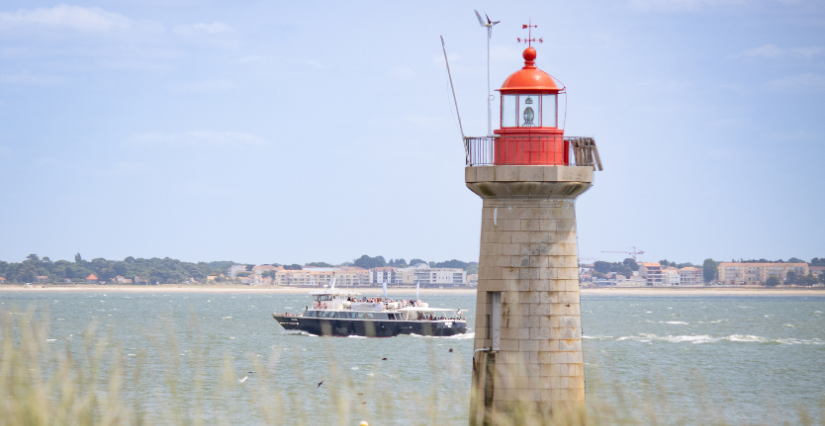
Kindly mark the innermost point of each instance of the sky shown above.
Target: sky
(293, 132)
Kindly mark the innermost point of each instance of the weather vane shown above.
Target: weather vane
(529, 40)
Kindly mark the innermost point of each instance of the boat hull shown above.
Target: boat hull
(369, 328)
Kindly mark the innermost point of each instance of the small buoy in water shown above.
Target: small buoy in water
(364, 423)
(383, 359)
(451, 349)
(320, 383)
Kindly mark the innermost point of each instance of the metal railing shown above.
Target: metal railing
(531, 150)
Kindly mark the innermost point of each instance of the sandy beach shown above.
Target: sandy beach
(624, 291)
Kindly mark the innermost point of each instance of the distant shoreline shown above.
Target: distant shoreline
(617, 291)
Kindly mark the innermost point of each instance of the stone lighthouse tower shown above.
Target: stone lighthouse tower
(528, 331)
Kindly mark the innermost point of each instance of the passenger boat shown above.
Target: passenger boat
(337, 312)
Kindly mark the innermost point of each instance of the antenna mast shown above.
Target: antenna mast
(466, 152)
(489, 25)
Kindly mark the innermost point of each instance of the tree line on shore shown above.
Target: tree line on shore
(167, 270)
(154, 270)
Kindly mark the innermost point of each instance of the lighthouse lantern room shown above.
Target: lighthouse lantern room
(529, 133)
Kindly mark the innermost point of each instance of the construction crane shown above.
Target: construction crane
(633, 252)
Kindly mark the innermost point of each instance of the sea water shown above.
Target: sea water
(746, 359)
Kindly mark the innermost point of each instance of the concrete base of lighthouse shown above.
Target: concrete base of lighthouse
(528, 316)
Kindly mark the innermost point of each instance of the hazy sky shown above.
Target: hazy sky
(264, 131)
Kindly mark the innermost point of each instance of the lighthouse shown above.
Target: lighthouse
(528, 331)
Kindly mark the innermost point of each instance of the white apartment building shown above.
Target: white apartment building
(382, 274)
(652, 273)
(634, 281)
(670, 276)
(316, 277)
(234, 269)
(426, 276)
(690, 276)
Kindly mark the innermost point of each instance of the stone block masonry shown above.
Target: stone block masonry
(528, 306)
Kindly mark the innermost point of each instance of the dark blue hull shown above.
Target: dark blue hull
(370, 328)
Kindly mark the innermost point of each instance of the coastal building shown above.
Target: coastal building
(407, 275)
(440, 277)
(92, 278)
(690, 276)
(427, 277)
(472, 280)
(2, 280)
(141, 280)
(315, 277)
(384, 274)
(735, 273)
(633, 281)
(234, 269)
(670, 276)
(41, 278)
(652, 273)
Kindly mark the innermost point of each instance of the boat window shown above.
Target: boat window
(352, 314)
(381, 316)
(341, 315)
(329, 314)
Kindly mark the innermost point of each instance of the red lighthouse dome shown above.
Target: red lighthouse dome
(529, 78)
(529, 133)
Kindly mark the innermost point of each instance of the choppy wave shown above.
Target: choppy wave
(584, 336)
(456, 337)
(706, 338)
(677, 322)
(298, 333)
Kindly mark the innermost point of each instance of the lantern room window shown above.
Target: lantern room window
(549, 108)
(529, 110)
(508, 110)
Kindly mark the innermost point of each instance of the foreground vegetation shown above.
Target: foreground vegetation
(93, 380)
